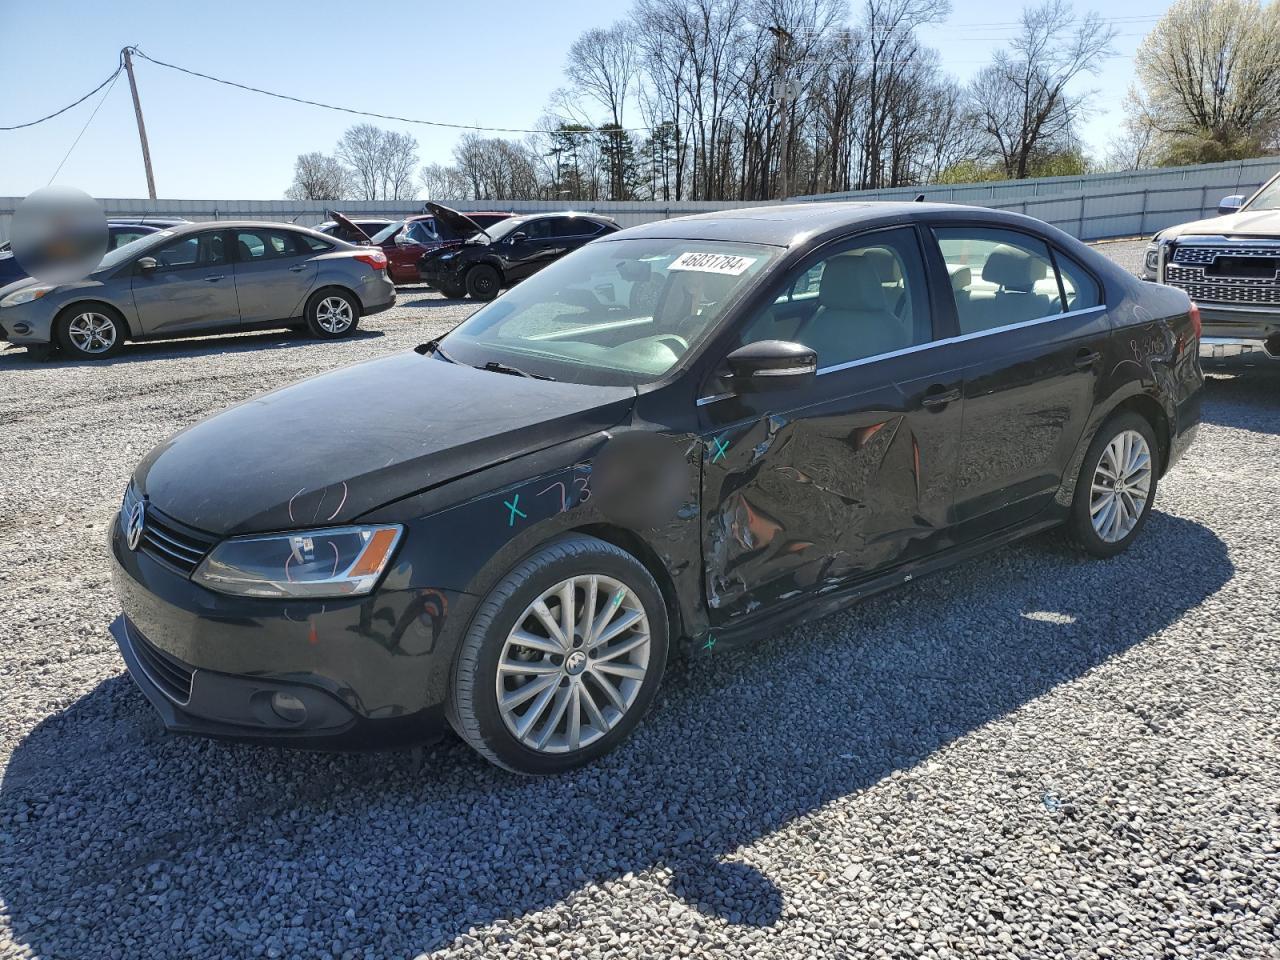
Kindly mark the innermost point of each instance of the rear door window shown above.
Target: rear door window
(998, 277)
(1078, 285)
(256, 245)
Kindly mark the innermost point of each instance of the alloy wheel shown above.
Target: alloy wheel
(573, 665)
(334, 315)
(1121, 486)
(92, 333)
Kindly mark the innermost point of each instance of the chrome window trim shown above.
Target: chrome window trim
(835, 368)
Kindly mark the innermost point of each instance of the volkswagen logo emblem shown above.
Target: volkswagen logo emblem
(136, 523)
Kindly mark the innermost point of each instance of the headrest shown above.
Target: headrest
(1013, 269)
(886, 263)
(961, 277)
(851, 282)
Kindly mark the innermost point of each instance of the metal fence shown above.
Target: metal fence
(1090, 207)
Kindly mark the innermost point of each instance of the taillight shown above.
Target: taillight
(375, 258)
(1194, 314)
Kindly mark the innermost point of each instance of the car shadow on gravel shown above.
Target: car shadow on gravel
(114, 835)
(1243, 395)
(19, 361)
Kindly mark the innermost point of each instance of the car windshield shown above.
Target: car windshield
(387, 232)
(614, 312)
(1268, 197)
(131, 249)
(499, 230)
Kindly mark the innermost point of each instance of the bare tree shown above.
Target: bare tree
(360, 149)
(1207, 78)
(443, 183)
(381, 162)
(601, 66)
(317, 176)
(1021, 99)
(399, 160)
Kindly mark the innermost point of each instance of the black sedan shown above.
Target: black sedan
(508, 252)
(679, 438)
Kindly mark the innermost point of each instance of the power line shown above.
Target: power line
(115, 73)
(86, 126)
(369, 113)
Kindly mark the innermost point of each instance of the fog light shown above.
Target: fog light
(21, 328)
(288, 707)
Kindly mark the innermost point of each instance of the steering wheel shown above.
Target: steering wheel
(680, 341)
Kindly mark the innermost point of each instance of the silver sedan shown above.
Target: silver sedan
(202, 278)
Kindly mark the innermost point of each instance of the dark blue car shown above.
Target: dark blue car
(119, 233)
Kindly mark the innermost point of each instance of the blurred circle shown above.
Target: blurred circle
(59, 234)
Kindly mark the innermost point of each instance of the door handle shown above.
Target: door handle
(297, 268)
(1086, 359)
(214, 279)
(939, 396)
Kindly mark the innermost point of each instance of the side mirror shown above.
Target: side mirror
(148, 264)
(404, 240)
(1230, 204)
(517, 237)
(768, 365)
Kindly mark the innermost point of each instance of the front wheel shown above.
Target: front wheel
(332, 314)
(562, 659)
(90, 332)
(1116, 487)
(483, 282)
(454, 291)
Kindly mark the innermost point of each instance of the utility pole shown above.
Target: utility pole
(142, 127)
(783, 94)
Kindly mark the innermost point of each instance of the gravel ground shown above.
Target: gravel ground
(1033, 756)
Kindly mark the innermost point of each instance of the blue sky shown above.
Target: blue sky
(494, 64)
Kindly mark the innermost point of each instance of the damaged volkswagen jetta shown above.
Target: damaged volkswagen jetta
(683, 436)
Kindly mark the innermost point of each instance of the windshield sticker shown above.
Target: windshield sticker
(728, 264)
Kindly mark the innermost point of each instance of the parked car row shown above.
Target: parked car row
(405, 241)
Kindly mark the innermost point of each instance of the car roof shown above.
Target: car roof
(791, 224)
(181, 228)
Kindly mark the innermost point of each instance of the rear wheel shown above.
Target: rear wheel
(331, 314)
(1117, 486)
(90, 332)
(562, 659)
(483, 282)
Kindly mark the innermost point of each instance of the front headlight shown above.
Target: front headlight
(27, 294)
(338, 562)
(1152, 257)
(447, 256)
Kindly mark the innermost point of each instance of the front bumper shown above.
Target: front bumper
(370, 672)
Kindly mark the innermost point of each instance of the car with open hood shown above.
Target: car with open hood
(514, 250)
(405, 241)
(680, 437)
(1230, 266)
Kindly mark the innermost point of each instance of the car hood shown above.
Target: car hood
(338, 218)
(458, 223)
(329, 449)
(1259, 223)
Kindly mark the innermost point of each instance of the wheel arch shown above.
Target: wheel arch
(1146, 406)
(332, 285)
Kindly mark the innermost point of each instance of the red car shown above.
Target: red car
(405, 241)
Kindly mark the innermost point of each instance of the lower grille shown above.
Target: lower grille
(172, 676)
(1205, 289)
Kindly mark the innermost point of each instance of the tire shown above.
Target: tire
(90, 331)
(483, 282)
(454, 291)
(1104, 523)
(332, 314)
(557, 693)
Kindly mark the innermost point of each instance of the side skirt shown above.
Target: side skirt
(806, 608)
